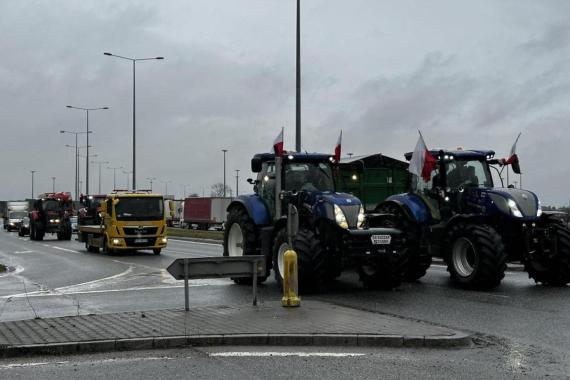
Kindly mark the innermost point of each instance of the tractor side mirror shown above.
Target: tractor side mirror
(256, 164)
(516, 166)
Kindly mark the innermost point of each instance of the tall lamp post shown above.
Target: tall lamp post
(127, 173)
(134, 61)
(87, 133)
(237, 183)
(33, 172)
(225, 151)
(115, 175)
(166, 186)
(76, 159)
(53, 184)
(99, 163)
(151, 179)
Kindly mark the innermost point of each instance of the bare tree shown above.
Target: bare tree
(217, 190)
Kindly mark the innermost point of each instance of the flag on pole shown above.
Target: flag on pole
(513, 154)
(337, 147)
(278, 144)
(422, 162)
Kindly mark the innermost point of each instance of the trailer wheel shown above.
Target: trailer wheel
(552, 265)
(420, 259)
(475, 256)
(240, 239)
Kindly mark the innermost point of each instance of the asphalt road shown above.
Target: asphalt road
(522, 329)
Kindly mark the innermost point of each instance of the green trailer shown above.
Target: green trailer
(372, 178)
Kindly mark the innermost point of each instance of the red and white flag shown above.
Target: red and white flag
(337, 147)
(513, 158)
(278, 144)
(422, 162)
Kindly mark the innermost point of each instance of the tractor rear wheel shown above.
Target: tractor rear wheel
(475, 256)
(552, 267)
(311, 260)
(240, 239)
(419, 259)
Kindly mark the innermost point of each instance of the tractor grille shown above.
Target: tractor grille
(132, 242)
(351, 213)
(136, 230)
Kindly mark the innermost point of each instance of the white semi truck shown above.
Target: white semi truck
(15, 212)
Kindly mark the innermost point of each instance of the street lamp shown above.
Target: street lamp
(114, 175)
(53, 184)
(225, 151)
(87, 161)
(76, 159)
(134, 61)
(150, 179)
(99, 162)
(166, 185)
(33, 171)
(237, 183)
(127, 173)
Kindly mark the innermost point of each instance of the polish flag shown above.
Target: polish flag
(513, 158)
(278, 144)
(337, 148)
(422, 162)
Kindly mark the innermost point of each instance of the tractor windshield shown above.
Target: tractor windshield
(468, 173)
(140, 208)
(308, 176)
(51, 205)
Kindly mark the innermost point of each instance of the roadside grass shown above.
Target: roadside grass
(198, 234)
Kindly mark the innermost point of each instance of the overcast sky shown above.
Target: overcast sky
(465, 73)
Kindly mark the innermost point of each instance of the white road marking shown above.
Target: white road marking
(65, 249)
(285, 354)
(126, 360)
(27, 365)
(194, 242)
(24, 251)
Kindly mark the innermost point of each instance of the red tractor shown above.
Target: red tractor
(51, 213)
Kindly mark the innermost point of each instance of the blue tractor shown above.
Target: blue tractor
(477, 228)
(333, 231)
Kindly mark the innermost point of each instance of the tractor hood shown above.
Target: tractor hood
(516, 202)
(347, 210)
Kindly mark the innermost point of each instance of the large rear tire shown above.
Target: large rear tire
(240, 239)
(475, 256)
(419, 259)
(552, 266)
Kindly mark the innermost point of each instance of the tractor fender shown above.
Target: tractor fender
(468, 218)
(412, 206)
(255, 208)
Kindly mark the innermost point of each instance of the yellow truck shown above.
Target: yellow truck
(130, 221)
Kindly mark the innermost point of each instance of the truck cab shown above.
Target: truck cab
(130, 221)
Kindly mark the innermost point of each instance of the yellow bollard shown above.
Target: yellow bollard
(290, 280)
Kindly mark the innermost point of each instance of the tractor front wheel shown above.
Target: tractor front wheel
(240, 239)
(311, 260)
(552, 265)
(419, 259)
(475, 256)
(383, 273)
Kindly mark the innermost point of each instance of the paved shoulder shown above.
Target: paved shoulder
(314, 323)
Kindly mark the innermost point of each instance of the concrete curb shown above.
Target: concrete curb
(360, 340)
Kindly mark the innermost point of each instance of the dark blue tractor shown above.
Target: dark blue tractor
(477, 228)
(333, 231)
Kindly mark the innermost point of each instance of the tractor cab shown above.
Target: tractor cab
(301, 172)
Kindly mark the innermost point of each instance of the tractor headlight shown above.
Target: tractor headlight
(514, 208)
(361, 218)
(539, 209)
(339, 217)
(164, 239)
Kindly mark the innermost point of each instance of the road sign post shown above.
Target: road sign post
(217, 267)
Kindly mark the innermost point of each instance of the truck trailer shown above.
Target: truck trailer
(205, 212)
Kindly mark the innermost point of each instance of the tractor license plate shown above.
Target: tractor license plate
(381, 239)
(141, 240)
